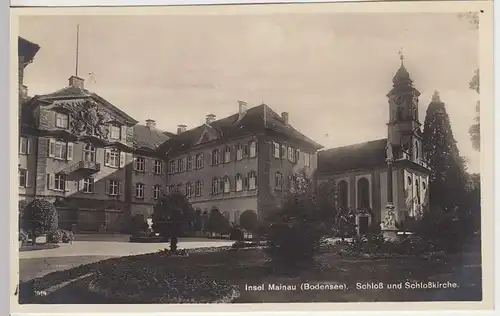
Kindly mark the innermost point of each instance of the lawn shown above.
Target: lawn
(208, 276)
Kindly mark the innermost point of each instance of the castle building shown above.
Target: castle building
(241, 163)
(361, 171)
(91, 159)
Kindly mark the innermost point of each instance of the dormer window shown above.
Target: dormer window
(62, 120)
(114, 132)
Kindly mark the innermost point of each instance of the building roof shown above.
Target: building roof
(149, 138)
(257, 120)
(27, 49)
(357, 156)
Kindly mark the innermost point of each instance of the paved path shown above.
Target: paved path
(33, 264)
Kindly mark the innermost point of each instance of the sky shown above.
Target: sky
(330, 71)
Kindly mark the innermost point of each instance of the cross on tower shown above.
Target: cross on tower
(400, 53)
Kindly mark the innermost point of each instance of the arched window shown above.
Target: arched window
(189, 189)
(88, 152)
(253, 149)
(239, 182)
(227, 154)
(363, 193)
(343, 194)
(215, 186)
(252, 180)
(416, 149)
(409, 181)
(215, 157)
(278, 181)
(424, 185)
(418, 191)
(199, 188)
(239, 152)
(227, 184)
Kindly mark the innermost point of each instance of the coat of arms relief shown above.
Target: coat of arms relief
(87, 118)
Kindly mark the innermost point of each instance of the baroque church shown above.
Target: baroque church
(360, 171)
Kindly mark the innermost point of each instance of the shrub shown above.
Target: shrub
(138, 224)
(248, 220)
(236, 234)
(243, 244)
(40, 216)
(67, 236)
(217, 223)
(55, 237)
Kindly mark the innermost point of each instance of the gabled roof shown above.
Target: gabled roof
(148, 138)
(72, 92)
(257, 120)
(357, 156)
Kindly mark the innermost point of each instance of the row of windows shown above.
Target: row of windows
(219, 185)
(217, 157)
(115, 132)
(282, 151)
(140, 165)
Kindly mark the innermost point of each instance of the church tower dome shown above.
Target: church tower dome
(404, 131)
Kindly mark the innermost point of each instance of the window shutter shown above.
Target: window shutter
(123, 134)
(28, 146)
(52, 147)
(120, 188)
(50, 178)
(106, 189)
(122, 159)
(69, 151)
(80, 185)
(107, 153)
(28, 182)
(66, 185)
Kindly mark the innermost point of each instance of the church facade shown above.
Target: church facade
(361, 171)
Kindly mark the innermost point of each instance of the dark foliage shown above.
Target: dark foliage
(138, 224)
(172, 217)
(236, 234)
(60, 236)
(248, 220)
(40, 217)
(217, 223)
(244, 244)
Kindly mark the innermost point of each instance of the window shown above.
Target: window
(172, 167)
(416, 149)
(159, 166)
(307, 159)
(423, 185)
(140, 164)
(215, 157)
(227, 185)
(278, 181)
(189, 189)
(409, 181)
(245, 150)
(59, 182)
(61, 120)
(24, 146)
(297, 155)
(227, 154)
(283, 151)
(239, 152)
(139, 190)
(190, 163)
(276, 153)
(112, 158)
(180, 165)
(113, 187)
(253, 149)
(171, 189)
(23, 178)
(88, 152)
(199, 188)
(418, 191)
(291, 154)
(88, 185)
(57, 149)
(363, 193)
(114, 132)
(215, 186)
(156, 192)
(252, 181)
(179, 188)
(239, 183)
(199, 161)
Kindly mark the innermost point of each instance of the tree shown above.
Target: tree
(217, 223)
(172, 216)
(21, 206)
(475, 129)
(40, 217)
(248, 220)
(448, 175)
(327, 202)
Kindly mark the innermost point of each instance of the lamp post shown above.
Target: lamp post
(388, 225)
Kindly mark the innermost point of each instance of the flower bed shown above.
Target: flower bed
(38, 247)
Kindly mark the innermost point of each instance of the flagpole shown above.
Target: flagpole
(77, 48)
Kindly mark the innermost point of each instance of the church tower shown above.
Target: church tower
(404, 127)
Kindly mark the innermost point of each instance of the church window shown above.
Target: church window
(343, 194)
(363, 193)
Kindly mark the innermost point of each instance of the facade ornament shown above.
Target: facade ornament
(389, 221)
(388, 152)
(89, 119)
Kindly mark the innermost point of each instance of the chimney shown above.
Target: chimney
(284, 116)
(76, 82)
(181, 129)
(151, 123)
(242, 109)
(209, 119)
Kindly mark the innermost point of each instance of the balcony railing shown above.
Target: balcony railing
(88, 166)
